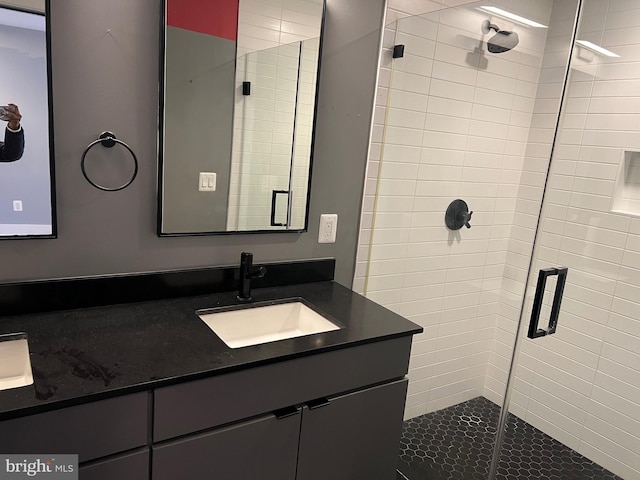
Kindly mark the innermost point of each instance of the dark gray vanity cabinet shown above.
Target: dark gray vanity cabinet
(263, 447)
(330, 415)
(344, 419)
(353, 436)
(346, 437)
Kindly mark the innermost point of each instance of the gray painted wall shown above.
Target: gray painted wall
(105, 76)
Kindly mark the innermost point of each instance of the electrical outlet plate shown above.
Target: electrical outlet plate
(328, 228)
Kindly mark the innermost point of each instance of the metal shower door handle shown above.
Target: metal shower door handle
(274, 199)
(534, 331)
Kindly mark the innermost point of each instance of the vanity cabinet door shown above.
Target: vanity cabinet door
(354, 436)
(263, 448)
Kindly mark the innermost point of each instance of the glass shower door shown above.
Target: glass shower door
(574, 401)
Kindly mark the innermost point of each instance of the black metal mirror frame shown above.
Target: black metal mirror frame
(161, 128)
(54, 224)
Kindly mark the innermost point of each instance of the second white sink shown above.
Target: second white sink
(255, 325)
(15, 364)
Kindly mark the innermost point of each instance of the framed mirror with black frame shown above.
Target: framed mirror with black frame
(27, 182)
(237, 114)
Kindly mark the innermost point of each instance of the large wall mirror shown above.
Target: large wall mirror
(237, 114)
(27, 201)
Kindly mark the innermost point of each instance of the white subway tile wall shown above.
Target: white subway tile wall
(486, 137)
(457, 121)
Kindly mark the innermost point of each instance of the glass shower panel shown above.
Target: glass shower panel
(264, 128)
(575, 400)
(462, 122)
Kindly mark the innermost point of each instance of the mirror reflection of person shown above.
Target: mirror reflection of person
(13, 146)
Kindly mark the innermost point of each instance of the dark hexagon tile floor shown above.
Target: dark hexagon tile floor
(456, 444)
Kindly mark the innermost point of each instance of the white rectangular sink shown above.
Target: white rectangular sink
(15, 364)
(255, 325)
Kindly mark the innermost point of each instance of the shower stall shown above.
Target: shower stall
(521, 119)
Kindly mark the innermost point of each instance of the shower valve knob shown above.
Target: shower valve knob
(467, 218)
(457, 215)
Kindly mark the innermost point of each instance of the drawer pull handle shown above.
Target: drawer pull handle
(286, 412)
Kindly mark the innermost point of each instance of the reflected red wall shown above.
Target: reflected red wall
(212, 17)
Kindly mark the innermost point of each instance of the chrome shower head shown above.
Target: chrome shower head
(502, 41)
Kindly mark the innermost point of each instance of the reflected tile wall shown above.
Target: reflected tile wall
(262, 147)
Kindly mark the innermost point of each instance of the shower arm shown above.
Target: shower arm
(487, 26)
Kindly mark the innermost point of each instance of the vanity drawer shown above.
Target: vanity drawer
(92, 430)
(201, 404)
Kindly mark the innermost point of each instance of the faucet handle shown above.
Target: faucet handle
(466, 219)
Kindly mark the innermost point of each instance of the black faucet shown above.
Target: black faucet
(247, 273)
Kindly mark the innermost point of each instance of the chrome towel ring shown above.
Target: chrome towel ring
(108, 139)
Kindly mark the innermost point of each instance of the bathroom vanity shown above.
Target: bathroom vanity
(146, 390)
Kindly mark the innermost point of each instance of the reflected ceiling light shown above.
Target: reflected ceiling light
(597, 48)
(512, 16)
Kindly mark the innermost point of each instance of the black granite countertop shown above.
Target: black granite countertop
(87, 354)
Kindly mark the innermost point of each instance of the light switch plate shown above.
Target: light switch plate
(328, 228)
(207, 182)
